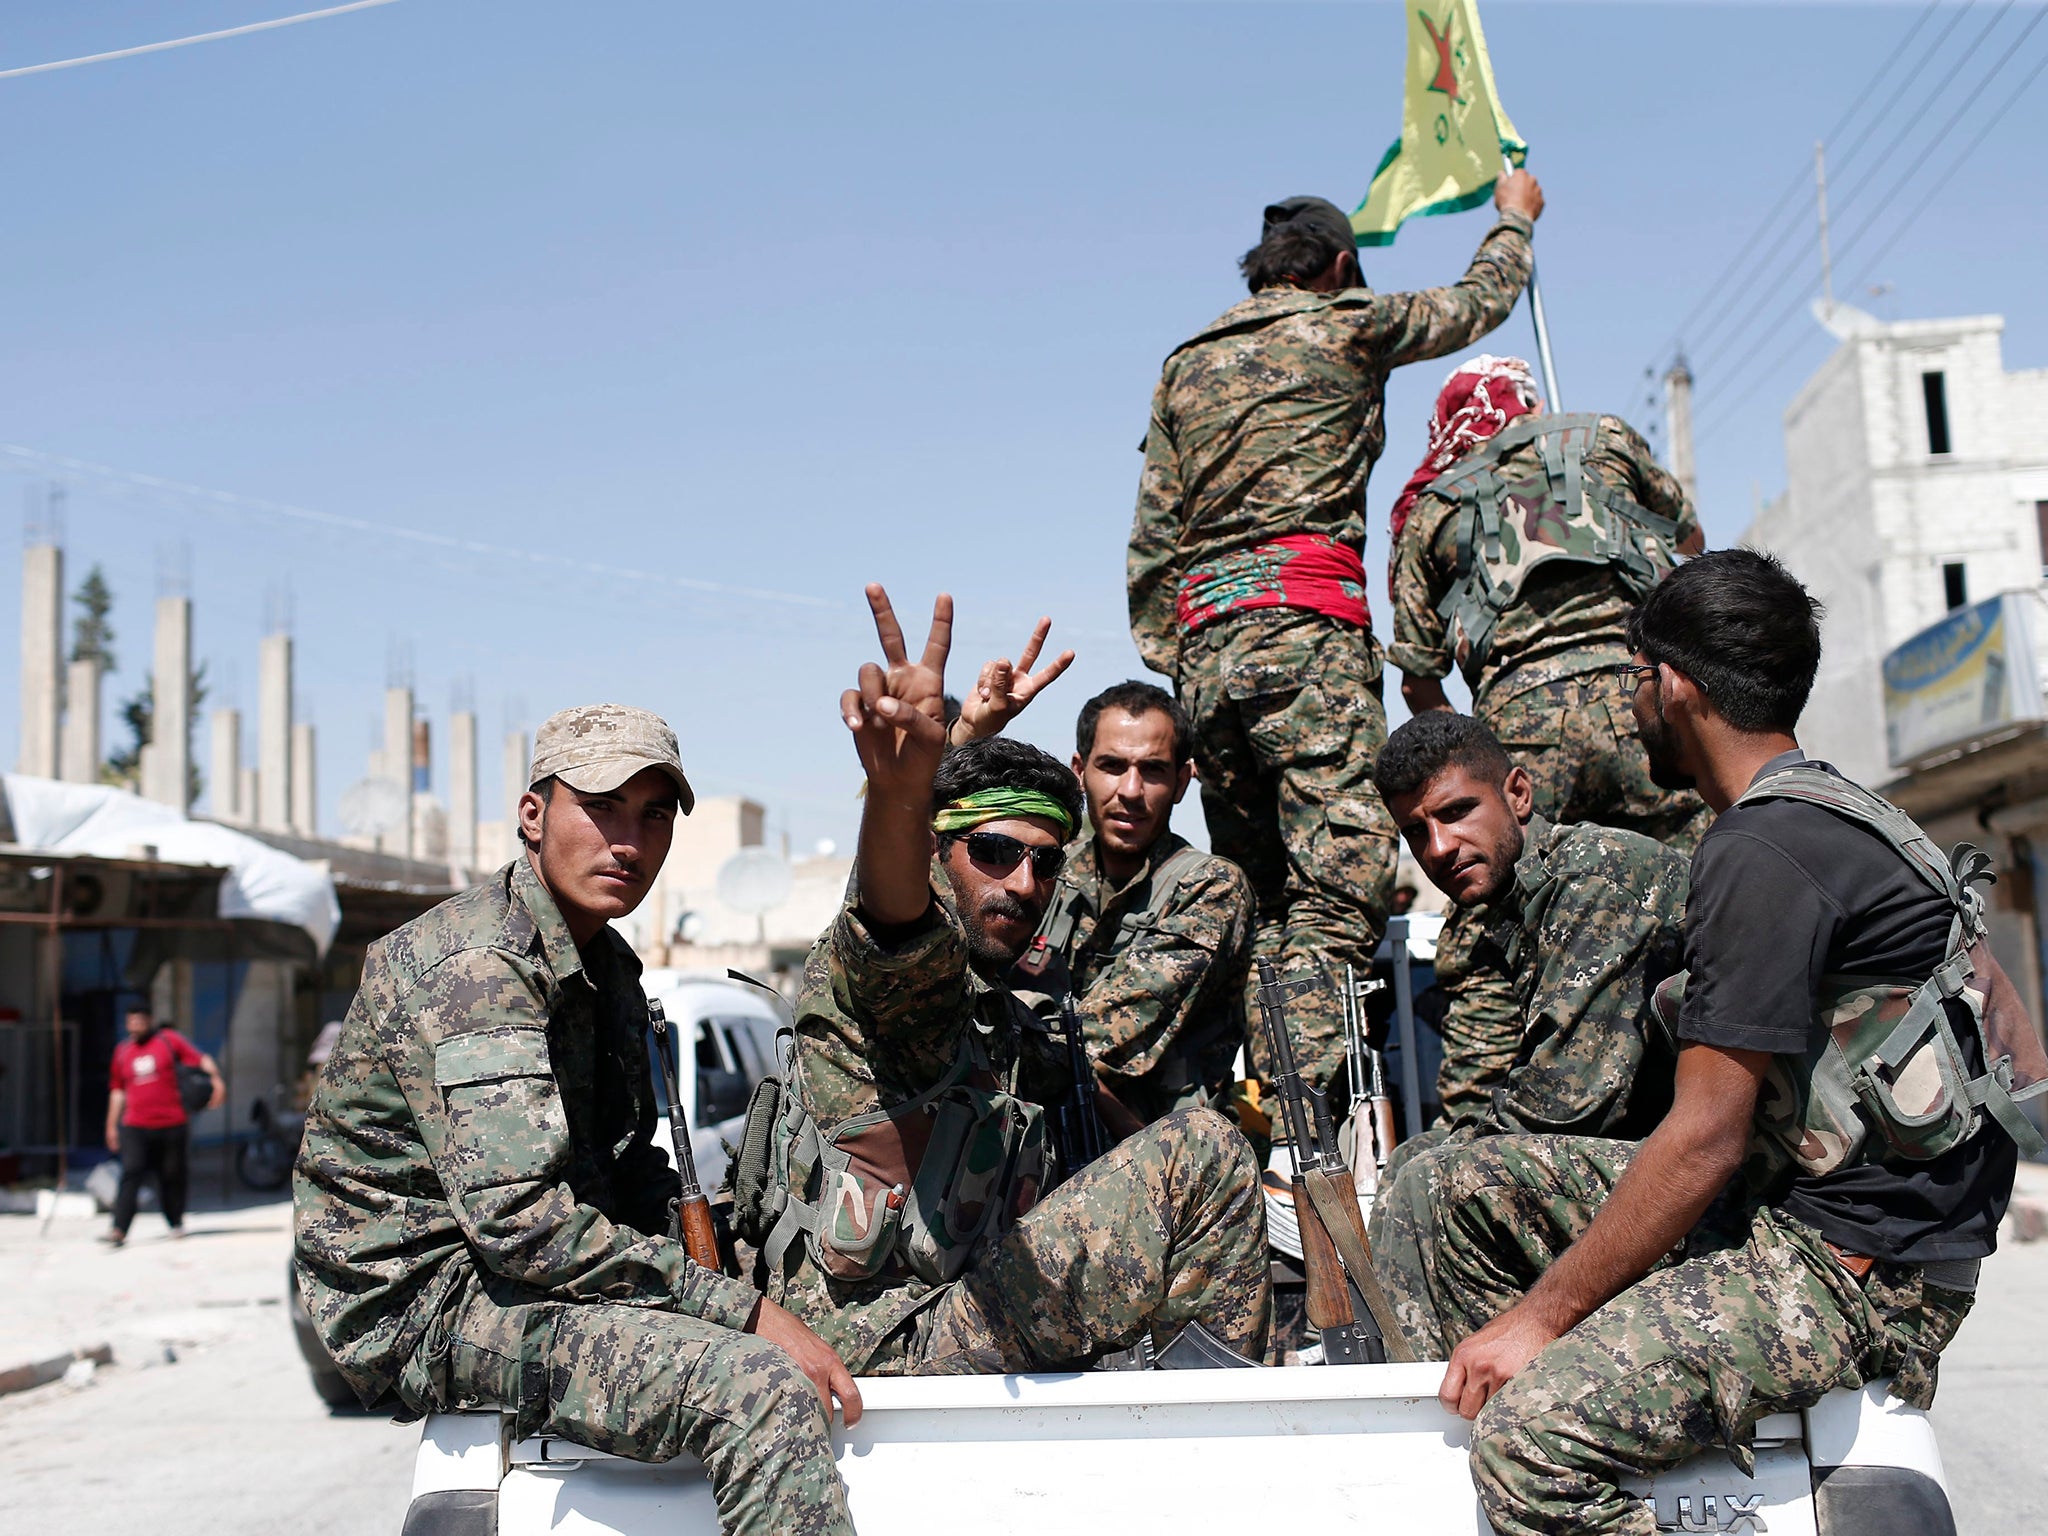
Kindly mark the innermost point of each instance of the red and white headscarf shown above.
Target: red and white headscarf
(1477, 400)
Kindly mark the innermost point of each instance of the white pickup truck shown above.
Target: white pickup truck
(1354, 1446)
(1350, 1447)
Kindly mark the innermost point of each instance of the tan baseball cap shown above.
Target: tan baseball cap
(598, 747)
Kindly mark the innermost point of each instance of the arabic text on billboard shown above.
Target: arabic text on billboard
(1968, 676)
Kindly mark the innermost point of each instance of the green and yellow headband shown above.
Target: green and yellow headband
(986, 805)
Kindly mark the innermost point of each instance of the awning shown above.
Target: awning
(260, 884)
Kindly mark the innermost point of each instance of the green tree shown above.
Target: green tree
(138, 713)
(92, 637)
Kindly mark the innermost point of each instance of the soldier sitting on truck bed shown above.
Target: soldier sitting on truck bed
(894, 1191)
(1852, 1071)
(479, 1200)
(1149, 935)
(1577, 926)
(1519, 544)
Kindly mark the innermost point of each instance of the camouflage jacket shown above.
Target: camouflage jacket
(1571, 620)
(879, 1021)
(1268, 422)
(1156, 966)
(487, 1105)
(1593, 923)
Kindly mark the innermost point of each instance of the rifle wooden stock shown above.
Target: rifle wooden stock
(1328, 1301)
(700, 1238)
(1382, 1126)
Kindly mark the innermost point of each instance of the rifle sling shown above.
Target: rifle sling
(1352, 1249)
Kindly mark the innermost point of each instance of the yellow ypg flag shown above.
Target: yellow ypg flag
(1453, 130)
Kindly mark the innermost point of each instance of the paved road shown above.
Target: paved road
(230, 1441)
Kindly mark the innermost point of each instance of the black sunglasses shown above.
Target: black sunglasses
(999, 850)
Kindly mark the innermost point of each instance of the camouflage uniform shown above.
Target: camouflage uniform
(1757, 1317)
(1578, 945)
(1547, 691)
(1266, 425)
(1166, 1228)
(478, 1203)
(1157, 969)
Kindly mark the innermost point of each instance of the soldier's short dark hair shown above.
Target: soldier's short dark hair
(1739, 625)
(1431, 742)
(1290, 253)
(1135, 699)
(997, 762)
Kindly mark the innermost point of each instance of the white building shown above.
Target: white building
(1917, 471)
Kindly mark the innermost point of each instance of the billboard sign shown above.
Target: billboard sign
(1969, 677)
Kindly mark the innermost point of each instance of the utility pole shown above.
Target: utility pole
(1827, 264)
(1678, 405)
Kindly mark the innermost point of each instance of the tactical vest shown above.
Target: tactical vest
(1047, 968)
(915, 1190)
(1885, 1079)
(1513, 521)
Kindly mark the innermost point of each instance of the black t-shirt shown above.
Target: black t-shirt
(1785, 892)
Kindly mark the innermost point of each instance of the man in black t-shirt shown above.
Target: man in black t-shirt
(1622, 1306)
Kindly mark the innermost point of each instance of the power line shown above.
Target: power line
(1912, 120)
(1798, 182)
(448, 543)
(198, 37)
(1719, 412)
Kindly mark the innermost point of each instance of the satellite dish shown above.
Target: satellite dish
(372, 807)
(753, 880)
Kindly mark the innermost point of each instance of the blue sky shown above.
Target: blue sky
(656, 303)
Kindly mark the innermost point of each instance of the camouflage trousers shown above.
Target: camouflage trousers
(1166, 1228)
(1288, 722)
(1756, 1316)
(1577, 737)
(646, 1385)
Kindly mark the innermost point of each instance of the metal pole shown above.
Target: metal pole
(1552, 400)
(1820, 187)
(1404, 1023)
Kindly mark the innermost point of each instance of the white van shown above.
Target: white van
(725, 1031)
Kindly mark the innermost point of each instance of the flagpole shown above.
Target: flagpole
(1543, 357)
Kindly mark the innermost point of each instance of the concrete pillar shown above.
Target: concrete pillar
(1678, 407)
(81, 762)
(225, 772)
(245, 795)
(170, 762)
(273, 808)
(396, 762)
(462, 790)
(305, 796)
(518, 759)
(42, 652)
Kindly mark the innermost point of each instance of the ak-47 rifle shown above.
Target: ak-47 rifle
(689, 1214)
(1078, 1123)
(1345, 1302)
(1372, 1107)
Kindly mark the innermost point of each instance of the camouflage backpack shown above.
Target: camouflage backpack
(1516, 519)
(1886, 1078)
(911, 1190)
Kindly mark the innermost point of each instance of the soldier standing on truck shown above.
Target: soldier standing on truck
(894, 1190)
(1518, 547)
(1148, 934)
(1607, 1322)
(479, 1202)
(1582, 923)
(1247, 581)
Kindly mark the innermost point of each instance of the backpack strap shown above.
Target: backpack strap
(1956, 879)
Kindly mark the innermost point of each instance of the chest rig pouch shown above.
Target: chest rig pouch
(914, 1190)
(1886, 1077)
(1512, 520)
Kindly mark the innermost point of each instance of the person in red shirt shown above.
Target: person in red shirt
(146, 1120)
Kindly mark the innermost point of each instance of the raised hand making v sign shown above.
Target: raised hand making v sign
(1003, 689)
(897, 715)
